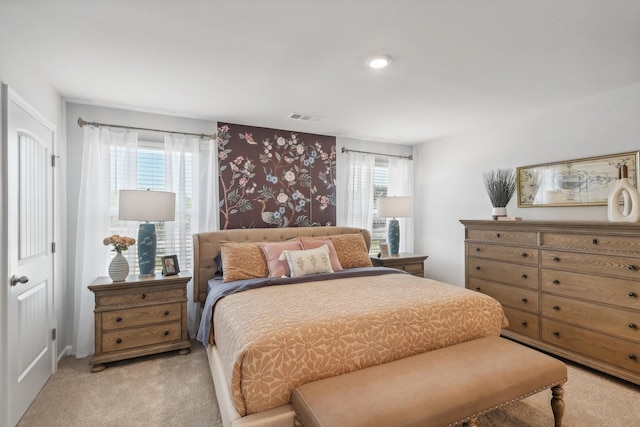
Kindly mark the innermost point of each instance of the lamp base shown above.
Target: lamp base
(394, 236)
(147, 249)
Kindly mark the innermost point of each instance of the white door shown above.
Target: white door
(30, 265)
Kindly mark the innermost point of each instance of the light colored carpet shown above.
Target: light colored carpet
(174, 390)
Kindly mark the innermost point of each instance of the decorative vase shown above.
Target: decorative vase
(119, 268)
(630, 209)
(498, 212)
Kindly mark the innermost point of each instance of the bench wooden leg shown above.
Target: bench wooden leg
(473, 422)
(557, 404)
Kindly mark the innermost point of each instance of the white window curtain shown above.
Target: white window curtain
(401, 184)
(360, 190)
(189, 160)
(94, 220)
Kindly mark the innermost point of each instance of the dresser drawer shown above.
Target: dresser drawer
(523, 323)
(618, 266)
(620, 323)
(138, 297)
(518, 237)
(136, 337)
(591, 242)
(619, 292)
(144, 315)
(520, 298)
(520, 255)
(495, 271)
(623, 354)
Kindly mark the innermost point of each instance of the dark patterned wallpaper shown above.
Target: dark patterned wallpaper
(275, 178)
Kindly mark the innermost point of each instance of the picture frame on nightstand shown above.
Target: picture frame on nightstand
(170, 265)
(384, 250)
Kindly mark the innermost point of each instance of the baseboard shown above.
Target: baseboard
(65, 351)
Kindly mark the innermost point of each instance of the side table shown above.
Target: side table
(411, 263)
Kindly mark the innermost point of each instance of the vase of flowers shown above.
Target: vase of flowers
(119, 267)
(500, 185)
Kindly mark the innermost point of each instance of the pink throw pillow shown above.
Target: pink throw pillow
(272, 252)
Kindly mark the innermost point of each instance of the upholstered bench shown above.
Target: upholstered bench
(448, 386)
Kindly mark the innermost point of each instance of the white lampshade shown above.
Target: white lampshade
(147, 205)
(395, 207)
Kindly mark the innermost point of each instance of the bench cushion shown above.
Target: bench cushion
(438, 388)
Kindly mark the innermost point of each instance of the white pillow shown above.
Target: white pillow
(309, 261)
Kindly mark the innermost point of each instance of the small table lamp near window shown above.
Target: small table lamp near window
(147, 205)
(394, 207)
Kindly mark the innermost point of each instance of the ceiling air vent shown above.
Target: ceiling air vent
(305, 117)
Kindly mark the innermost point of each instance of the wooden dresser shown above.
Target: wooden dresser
(138, 317)
(571, 288)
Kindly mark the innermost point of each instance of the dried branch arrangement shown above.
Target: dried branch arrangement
(500, 185)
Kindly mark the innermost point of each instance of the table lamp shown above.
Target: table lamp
(394, 207)
(147, 205)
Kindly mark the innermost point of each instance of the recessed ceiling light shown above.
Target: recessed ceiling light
(378, 61)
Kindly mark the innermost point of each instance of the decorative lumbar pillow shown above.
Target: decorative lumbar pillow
(315, 242)
(272, 252)
(308, 261)
(352, 250)
(242, 261)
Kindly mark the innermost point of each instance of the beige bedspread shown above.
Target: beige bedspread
(273, 339)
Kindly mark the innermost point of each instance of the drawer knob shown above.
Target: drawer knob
(524, 323)
(594, 241)
(166, 313)
(556, 308)
(556, 333)
(632, 294)
(524, 254)
(523, 276)
(144, 296)
(497, 234)
(632, 326)
(632, 357)
(119, 341)
(555, 282)
(555, 259)
(632, 267)
(166, 333)
(477, 267)
(477, 288)
(477, 249)
(524, 300)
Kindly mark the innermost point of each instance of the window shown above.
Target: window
(380, 183)
(150, 171)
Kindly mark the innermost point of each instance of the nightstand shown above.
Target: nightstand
(411, 263)
(139, 316)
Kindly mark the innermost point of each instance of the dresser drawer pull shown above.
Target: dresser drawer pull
(555, 259)
(632, 267)
(118, 319)
(497, 234)
(166, 333)
(632, 294)
(477, 267)
(119, 341)
(556, 308)
(524, 323)
(477, 249)
(556, 333)
(477, 288)
(594, 241)
(166, 313)
(555, 282)
(632, 326)
(632, 357)
(524, 254)
(523, 276)
(144, 296)
(524, 300)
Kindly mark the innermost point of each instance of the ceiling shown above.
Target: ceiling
(457, 64)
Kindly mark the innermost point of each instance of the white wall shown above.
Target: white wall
(449, 185)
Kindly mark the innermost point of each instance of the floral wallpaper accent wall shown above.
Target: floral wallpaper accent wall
(275, 178)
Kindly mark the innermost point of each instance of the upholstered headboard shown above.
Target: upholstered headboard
(207, 245)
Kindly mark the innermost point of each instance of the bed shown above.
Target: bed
(267, 335)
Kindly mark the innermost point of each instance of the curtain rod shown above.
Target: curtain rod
(82, 123)
(346, 150)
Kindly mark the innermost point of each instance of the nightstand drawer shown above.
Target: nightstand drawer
(137, 337)
(144, 296)
(118, 319)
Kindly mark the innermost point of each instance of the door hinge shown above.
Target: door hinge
(53, 160)
(53, 247)
(54, 333)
